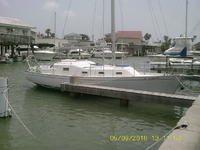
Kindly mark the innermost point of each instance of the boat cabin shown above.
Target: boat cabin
(87, 68)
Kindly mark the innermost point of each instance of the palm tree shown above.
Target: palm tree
(48, 32)
(167, 43)
(52, 35)
(85, 37)
(147, 37)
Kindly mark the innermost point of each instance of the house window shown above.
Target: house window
(119, 73)
(101, 72)
(65, 69)
(84, 72)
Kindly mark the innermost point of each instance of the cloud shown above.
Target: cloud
(4, 3)
(50, 5)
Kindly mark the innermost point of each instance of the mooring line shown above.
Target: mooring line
(18, 118)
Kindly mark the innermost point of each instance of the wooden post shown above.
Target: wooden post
(6, 48)
(73, 80)
(12, 51)
(1, 50)
(4, 108)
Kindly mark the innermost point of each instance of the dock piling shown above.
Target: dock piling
(4, 108)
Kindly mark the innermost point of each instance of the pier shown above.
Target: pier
(126, 95)
(186, 134)
(189, 134)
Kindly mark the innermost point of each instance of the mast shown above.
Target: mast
(186, 27)
(186, 19)
(113, 29)
(54, 30)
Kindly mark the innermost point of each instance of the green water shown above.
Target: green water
(61, 122)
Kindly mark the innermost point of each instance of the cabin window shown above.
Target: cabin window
(119, 73)
(65, 69)
(84, 72)
(101, 72)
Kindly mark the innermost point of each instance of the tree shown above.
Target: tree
(52, 35)
(166, 44)
(147, 37)
(48, 32)
(85, 37)
(194, 38)
(108, 38)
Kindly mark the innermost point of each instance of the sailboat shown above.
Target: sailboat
(179, 51)
(88, 72)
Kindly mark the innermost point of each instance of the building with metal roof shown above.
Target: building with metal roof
(14, 22)
(14, 32)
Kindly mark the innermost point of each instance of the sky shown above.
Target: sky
(157, 17)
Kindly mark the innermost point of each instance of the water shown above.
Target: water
(61, 122)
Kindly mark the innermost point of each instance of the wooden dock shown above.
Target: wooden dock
(126, 95)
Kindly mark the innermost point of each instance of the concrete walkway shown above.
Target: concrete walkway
(186, 138)
(129, 94)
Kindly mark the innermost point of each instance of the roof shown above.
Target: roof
(197, 44)
(14, 22)
(73, 34)
(129, 34)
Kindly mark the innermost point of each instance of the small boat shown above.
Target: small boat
(181, 49)
(106, 53)
(78, 54)
(44, 54)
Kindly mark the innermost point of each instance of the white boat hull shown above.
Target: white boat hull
(86, 56)
(44, 56)
(164, 84)
(108, 55)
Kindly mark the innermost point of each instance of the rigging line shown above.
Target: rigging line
(67, 16)
(93, 18)
(103, 18)
(163, 17)
(103, 23)
(153, 23)
(156, 21)
(122, 15)
(195, 27)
